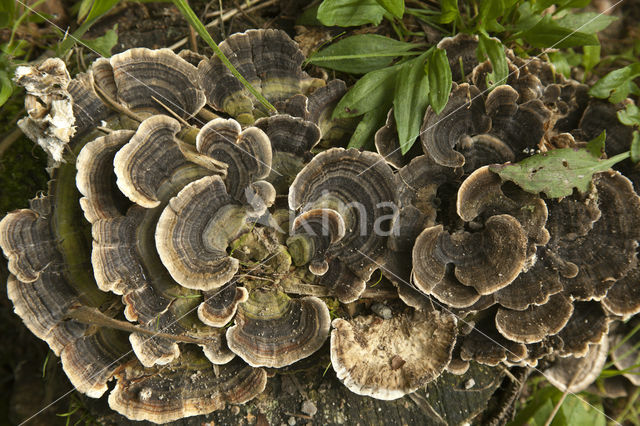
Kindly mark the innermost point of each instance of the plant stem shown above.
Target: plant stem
(193, 20)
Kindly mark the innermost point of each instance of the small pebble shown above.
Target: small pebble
(309, 408)
(469, 384)
(292, 421)
(382, 310)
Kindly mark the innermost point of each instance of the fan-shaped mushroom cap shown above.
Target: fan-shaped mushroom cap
(387, 359)
(148, 159)
(268, 59)
(536, 322)
(481, 194)
(88, 109)
(387, 143)
(463, 116)
(601, 115)
(461, 52)
(623, 298)
(342, 281)
(247, 154)
(608, 251)
(572, 374)
(291, 141)
(487, 260)
(273, 330)
(142, 74)
(188, 387)
(220, 306)
(482, 150)
(91, 361)
(486, 346)
(95, 174)
(361, 187)
(454, 294)
(191, 238)
(588, 325)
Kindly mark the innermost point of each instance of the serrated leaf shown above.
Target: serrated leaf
(448, 11)
(394, 7)
(615, 81)
(370, 92)
(439, 75)
(547, 33)
(105, 43)
(6, 87)
(350, 13)
(361, 53)
(596, 146)
(589, 22)
(363, 135)
(556, 172)
(635, 147)
(410, 101)
(494, 50)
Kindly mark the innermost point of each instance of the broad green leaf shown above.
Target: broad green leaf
(371, 91)
(361, 53)
(635, 147)
(556, 172)
(350, 13)
(99, 8)
(439, 74)
(589, 22)
(538, 407)
(541, 5)
(596, 146)
(6, 87)
(630, 116)
(410, 100)
(448, 11)
(494, 50)
(105, 43)
(576, 411)
(615, 81)
(490, 10)
(394, 7)
(547, 33)
(590, 57)
(363, 135)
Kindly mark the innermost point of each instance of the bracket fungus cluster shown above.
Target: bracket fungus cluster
(214, 229)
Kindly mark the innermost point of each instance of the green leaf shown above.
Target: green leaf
(364, 133)
(105, 43)
(590, 57)
(370, 92)
(556, 172)
(490, 10)
(410, 100)
(596, 145)
(635, 147)
(538, 407)
(616, 81)
(590, 22)
(6, 87)
(448, 11)
(394, 7)
(99, 8)
(575, 410)
(494, 50)
(548, 33)
(83, 9)
(350, 13)
(361, 53)
(630, 116)
(439, 74)
(309, 17)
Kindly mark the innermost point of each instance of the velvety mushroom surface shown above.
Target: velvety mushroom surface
(191, 239)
